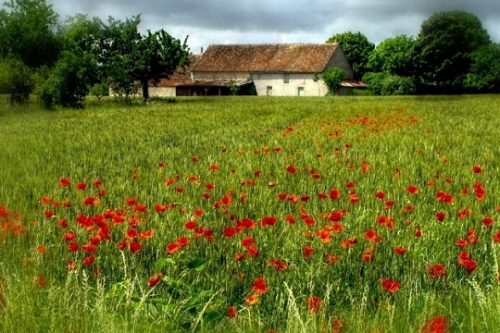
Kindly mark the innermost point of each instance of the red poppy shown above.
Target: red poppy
(388, 204)
(131, 201)
(291, 169)
(252, 299)
(380, 195)
(412, 189)
(496, 237)
(48, 214)
(334, 194)
(172, 248)
(336, 216)
(73, 247)
(464, 213)
(307, 251)
(367, 255)
(331, 259)
(247, 241)
(81, 186)
(89, 248)
(135, 247)
(400, 250)
(252, 252)
(88, 261)
(390, 285)
(372, 236)
(348, 242)
(153, 281)
(231, 312)
(440, 216)
(435, 325)
(313, 303)
(259, 286)
(477, 169)
(41, 249)
(64, 182)
(239, 256)
(278, 264)
(268, 220)
(436, 271)
(487, 221)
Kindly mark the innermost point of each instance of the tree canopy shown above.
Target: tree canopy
(443, 49)
(357, 49)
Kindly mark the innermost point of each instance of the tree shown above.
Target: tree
(357, 49)
(16, 79)
(387, 84)
(333, 77)
(29, 43)
(36, 23)
(130, 56)
(484, 74)
(393, 56)
(68, 83)
(443, 49)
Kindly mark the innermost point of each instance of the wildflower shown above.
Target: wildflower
(291, 169)
(487, 221)
(400, 250)
(88, 260)
(436, 271)
(135, 247)
(440, 216)
(313, 303)
(268, 220)
(435, 325)
(412, 189)
(153, 281)
(390, 285)
(307, 251)
(64, 182)
(477, 169)
(81, 186)
(259, 286)
(231, 312)
(252, 299)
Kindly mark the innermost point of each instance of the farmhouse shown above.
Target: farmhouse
(264, 69)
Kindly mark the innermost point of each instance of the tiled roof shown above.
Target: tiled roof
(298, 58)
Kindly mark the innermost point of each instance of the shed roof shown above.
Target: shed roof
(298, 58)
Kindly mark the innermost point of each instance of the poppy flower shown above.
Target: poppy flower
(229, 231)
(135, 247)
(268, 220)
(313, 303)
(290, 219)
(48, 214)
(89, 248)
(252, 251)
(348, 242)
(307, 251)
(252, 299)
(239, 256)
(81, 186)
(372, 236)
(64, 182)
(131, 201)
(440, 216)
(477, 169)
(231, 312)
(41, 249)
(259, 286)
(435, 325)
(436, 271)
(291, 169)
(390, 285)
(487, 221)
(194, 159)
(88, 260)
(400, 250)
(334, 194)
(331, 259)
(172, 248)
(278, 264)
(247, 242)
(412, 189)
(380, 195)
(153, 281)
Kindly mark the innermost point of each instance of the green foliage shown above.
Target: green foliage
(99, 90)
(129, 57)
(484, 75)
(443, 49)
(34, 21)
(332, 78)
(357, 50)
(16, 79)
(387, 84)
(393, 56)
(68, 83)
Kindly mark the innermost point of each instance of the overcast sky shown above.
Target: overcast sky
(280, 21)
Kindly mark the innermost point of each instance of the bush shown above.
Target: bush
(386, 84)
(67, 85)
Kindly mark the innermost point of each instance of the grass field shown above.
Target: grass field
(250, 214)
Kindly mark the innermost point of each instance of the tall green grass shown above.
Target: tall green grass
(430, 142)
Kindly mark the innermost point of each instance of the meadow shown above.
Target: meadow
(252, 214)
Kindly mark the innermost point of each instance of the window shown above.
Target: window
(301, 91)
(269, 90)
(286, 77)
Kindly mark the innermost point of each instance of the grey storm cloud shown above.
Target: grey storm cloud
(221, 21)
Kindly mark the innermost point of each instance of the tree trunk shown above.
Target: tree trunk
(145, 91)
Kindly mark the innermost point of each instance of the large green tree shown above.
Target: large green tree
(129, 56)
(357, 49)
(393, 56)
(484, 74)
(29, 42)
(444, 47)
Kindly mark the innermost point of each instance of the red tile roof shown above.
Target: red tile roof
(298, 58)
